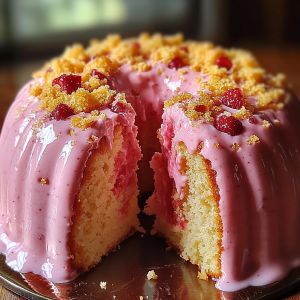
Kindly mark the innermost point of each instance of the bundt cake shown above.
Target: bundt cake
(226, 167)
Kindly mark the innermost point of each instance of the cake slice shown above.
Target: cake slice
(227, 187)
(68, 175)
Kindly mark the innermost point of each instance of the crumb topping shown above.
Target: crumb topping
(253, 139)
(44, 180)
(72, 132)
(83, 122)
(235, 147)
(265, 124)
(92, 139)
(220, 71)
(103, 285)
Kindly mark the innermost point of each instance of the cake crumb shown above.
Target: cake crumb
(92, 139)
(72, 132)
(277, 122)
(217, 144)
(142, 67)
(151, 275)
(44, 180)
(253, 139)
(141, 298)
(202, 276)
(235, 147)
(182, 71)
(160, 71)
(103, 285)
(265, 124)
(95, 112)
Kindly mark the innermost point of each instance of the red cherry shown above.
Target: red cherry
(233, 98)
(61, 112)
(176, 63)
(136, 45)
(97, 74)
(100, 76)
(185, 49)
(200, 108)
(229, 125)
(224, 62)
(68, 83)
(252, 120)
(117, 108)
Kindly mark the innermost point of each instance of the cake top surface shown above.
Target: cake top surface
(220, 70)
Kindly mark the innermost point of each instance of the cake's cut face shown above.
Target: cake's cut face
(102, 205)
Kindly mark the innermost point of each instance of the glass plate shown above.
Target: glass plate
(125, 273)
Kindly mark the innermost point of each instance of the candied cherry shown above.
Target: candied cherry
(68, 83)
(101, 76)
(61, 112)
(98, 74)
(185, 49)
(252, 120)
(229, 125)
(117, 108)
(136, 45)
(233, 98)
(200, 108)
(224, 62)
(176, 63)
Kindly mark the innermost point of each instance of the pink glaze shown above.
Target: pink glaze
(35, 219)
(259, 187)
(147, 91)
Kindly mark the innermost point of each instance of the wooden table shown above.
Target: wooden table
(285, 61)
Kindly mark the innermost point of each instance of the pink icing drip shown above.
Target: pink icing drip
(259, 193)
(35, 219)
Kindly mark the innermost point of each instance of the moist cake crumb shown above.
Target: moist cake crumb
(151, 275)
(235, 147)
(44, 181)
(265, 124)
(253, 139)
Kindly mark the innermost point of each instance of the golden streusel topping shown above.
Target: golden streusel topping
(144, 52)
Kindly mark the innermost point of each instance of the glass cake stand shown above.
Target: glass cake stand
(125, 273)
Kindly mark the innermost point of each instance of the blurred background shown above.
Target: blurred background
(33, 31)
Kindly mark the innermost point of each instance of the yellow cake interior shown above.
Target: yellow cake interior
(100, 222)
(199, 241)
